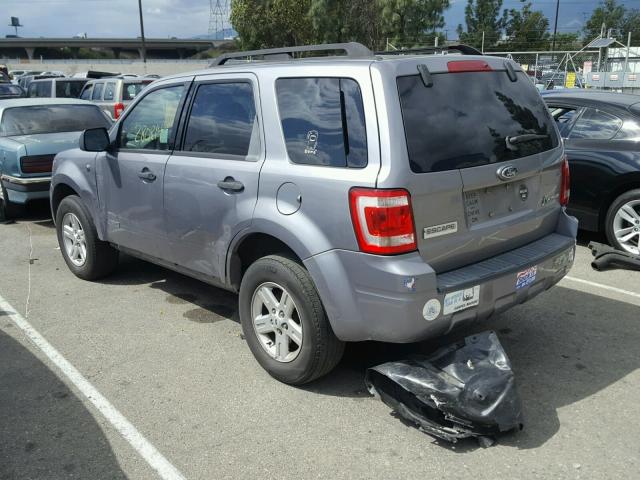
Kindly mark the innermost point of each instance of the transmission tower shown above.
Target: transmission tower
(218, 18)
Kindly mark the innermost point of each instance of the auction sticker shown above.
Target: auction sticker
(526, 277)
(431, 309)
(461, 300)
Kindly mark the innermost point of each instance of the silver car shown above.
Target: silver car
(113, 94)
(347, 198)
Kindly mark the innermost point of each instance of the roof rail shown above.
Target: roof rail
(459, 47)
(352, 50)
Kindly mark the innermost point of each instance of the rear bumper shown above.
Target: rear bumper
(23, 189)
(370, 297)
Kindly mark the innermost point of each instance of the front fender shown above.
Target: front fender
(78, 173)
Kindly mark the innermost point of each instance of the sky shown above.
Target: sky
(190, 18)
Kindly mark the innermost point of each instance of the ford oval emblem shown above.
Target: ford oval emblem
(507, 172)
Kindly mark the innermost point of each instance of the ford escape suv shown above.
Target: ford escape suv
(346, 198)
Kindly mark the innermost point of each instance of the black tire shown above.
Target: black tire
(321, 350)
(101, 258)
(611, 213)
(9, 210)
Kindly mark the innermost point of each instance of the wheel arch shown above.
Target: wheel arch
(249, 246)
(58, 193)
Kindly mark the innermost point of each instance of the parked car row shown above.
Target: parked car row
(32, 132)
(367, 197)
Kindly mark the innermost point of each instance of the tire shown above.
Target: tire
(9, 210)
(320, 350)
(618, 219)
(100, 258)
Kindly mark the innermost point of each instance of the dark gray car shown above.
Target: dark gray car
(350, 198)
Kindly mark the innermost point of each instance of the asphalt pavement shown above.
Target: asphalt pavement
(166, 353)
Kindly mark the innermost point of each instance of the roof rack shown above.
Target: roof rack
(458, 47)
(352, 50)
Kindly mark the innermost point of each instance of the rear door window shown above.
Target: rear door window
(109, 90)
(595, 125)
(222, 119)
(97, 91)
(43, 89)
(463, 120)
(323, 121)
(131, 90)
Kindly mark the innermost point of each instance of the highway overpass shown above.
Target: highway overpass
(155, 47)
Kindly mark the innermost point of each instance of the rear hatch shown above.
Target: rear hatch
(484, 159)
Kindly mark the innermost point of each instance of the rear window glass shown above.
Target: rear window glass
(51, 119)
(131, 90)
(97, 91)
(68, 88)
(222, 119)
(464, 119)
(323, 121)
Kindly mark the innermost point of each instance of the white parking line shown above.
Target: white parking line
(604, 287)
(139, 443)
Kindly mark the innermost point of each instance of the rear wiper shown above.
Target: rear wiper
(512, 142)
(527, 137)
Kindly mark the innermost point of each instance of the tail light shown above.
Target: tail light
(565, 183)
(36, 163)
(383, 220)
(118, 108)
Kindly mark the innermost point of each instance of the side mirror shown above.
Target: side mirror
(94, 140)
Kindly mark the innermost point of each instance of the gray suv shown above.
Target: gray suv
(346, 198)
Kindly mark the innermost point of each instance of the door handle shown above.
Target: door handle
(146, 174)
(231, 184)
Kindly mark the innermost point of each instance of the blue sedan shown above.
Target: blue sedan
(32, 132)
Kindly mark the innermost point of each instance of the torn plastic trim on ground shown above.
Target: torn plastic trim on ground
(464, 390)
(608, 257)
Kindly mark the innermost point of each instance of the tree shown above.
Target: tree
(609, 13)
(345, 21)
(482, 16)
(568, 41)
(412, 22)
(526, 29)
(271, 23)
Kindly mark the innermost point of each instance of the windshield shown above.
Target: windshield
(10, 89)
(51, 119)
(131, 90)
(471, 119)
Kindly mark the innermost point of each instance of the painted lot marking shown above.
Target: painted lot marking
(604, 287)
(139, 443)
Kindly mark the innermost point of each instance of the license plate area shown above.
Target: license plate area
(488, 204)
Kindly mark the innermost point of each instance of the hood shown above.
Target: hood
(47, 143)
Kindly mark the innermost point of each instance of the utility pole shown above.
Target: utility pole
(555, 27)
(144, 47)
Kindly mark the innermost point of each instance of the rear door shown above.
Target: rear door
(484, 160)
(211, 183)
